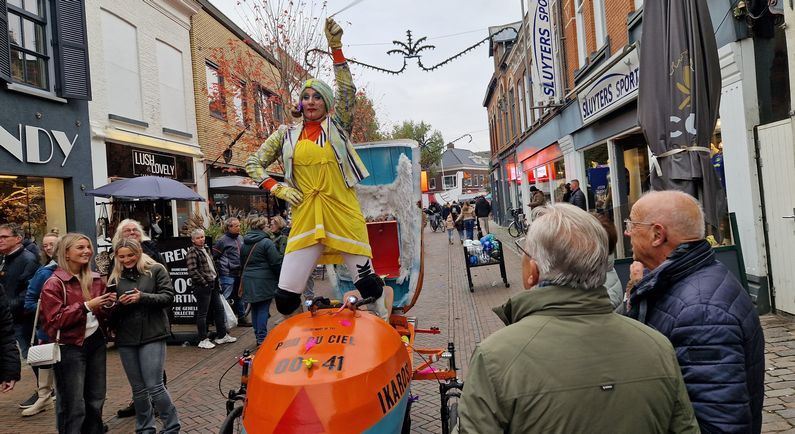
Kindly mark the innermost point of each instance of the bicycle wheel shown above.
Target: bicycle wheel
(233, 424)
(513, 229)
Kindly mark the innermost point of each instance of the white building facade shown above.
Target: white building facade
(142, 116)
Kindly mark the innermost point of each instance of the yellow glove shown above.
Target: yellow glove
(333, 34)
(287, 193)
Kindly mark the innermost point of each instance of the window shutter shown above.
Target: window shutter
(71, 50)
(5, 50)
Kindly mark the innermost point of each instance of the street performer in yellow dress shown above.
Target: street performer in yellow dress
(320, 169)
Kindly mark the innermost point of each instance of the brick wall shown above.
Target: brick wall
(616, 12)
(206, 35)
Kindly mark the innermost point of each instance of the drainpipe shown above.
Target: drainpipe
(561, 58)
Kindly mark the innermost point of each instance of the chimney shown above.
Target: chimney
(450, 145)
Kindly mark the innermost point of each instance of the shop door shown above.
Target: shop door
(778, 166)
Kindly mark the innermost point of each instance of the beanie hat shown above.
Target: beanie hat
(323, 89)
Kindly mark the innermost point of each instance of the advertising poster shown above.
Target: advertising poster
(174, 251)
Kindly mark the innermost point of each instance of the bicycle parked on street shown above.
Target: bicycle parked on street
(518, 226)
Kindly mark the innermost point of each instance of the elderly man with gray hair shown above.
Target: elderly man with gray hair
(696, 302)
(566, 362)
(203, 275)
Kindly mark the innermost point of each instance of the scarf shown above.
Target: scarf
(685, 260)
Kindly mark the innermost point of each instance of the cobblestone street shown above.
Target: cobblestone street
(464, 318)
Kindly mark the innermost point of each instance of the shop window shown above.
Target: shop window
(27, 33)
(596, 186)
(35, 204)
(450, 181)
(633, 181)
(559, 177)
(716, 157)
(122, 71)
(432, 184)
(215, 91)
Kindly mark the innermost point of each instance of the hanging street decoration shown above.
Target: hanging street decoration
(410, 50)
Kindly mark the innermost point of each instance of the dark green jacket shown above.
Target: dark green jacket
(145, 321)
(261, 270)
(567, 364)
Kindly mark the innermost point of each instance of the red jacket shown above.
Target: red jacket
(69, 317)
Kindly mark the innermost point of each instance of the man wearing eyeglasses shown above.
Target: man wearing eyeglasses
(17, 266)
(696, 302)
(566, 362)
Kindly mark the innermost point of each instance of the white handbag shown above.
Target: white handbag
(45, 354)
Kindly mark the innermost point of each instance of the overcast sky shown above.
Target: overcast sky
(449, 98)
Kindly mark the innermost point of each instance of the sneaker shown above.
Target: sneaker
(206, 344)
(127, 411)
(30, 401)
(228, 339)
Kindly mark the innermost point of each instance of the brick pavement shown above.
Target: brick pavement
(463, 317)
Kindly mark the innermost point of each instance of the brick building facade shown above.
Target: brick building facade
(235, 81)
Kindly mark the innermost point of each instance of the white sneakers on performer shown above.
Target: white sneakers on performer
(206, 344)
(228, 339)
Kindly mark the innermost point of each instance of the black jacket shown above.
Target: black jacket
(147, 320)
(482, 208)
(578, 199)
(9, 354)
(19, 267)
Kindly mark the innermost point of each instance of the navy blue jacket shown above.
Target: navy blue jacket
(713, 325)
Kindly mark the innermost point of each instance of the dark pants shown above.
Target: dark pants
(80, 386)
(208, 302)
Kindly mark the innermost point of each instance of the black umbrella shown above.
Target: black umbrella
(678, 102)
(146, 188)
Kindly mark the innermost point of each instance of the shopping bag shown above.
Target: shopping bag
(231, 318)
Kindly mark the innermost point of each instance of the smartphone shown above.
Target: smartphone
(110, 288)
(129, 292)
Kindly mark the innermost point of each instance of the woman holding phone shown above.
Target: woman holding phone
(77, 323)
(145, 293)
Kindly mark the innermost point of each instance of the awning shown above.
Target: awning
(240, 184)
(146, 141)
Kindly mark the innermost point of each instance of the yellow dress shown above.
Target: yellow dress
(330, 213)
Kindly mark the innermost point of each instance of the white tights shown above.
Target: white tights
(297, 266)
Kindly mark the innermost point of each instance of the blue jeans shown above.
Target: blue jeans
(80, 386)
(143, 365)
(469, 225)
(22, 333)
(450, 235)
(229, 285)
(260, 312)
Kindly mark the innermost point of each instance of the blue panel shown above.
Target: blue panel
(382, 162)
(392, 422)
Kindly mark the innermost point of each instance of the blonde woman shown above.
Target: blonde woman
(145, 293)
(79, 322)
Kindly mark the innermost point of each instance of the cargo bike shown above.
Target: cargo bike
(335, 369)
